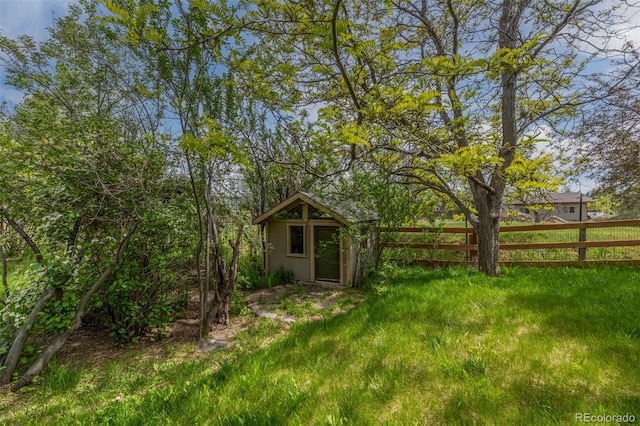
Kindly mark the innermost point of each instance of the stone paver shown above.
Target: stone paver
(266, 314)
(212, 345)
(263, 302)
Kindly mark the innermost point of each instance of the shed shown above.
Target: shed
(313, 237)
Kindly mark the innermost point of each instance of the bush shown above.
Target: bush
(253, 277)
(238, 304)
(131, 309)
(283, 276)
(250, 276)
(146, 291)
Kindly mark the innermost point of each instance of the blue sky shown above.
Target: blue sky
(30, 17)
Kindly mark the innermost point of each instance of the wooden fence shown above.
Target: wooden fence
(581, 243)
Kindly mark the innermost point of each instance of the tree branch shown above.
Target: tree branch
(23, 234)
(341, 67)
(55, 345)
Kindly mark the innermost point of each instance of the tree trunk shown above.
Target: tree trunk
(488, 247)
(5, 285)
(488, 199)
(55, 345)
(212, 314)
(15, 352)
(5, 288)
(231, 278)
(536, 216)
(488, 230)
(224, 317)
(219, 306)
(200, 246)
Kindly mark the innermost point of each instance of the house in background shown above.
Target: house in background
(570, 206)
(310, 235)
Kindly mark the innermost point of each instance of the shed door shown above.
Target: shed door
(327, 253)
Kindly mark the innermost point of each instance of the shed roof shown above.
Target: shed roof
(556, 198)
(343, 210)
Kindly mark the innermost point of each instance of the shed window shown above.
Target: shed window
(294, 213)
(295, 240)
(318, 214)
(572, 209)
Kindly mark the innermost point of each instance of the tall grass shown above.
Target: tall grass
(450, 346)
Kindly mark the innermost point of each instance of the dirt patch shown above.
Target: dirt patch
(91, 345)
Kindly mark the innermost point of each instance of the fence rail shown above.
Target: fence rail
(573, 244)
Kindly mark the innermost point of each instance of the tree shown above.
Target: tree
(180, 44)
(79, 176)
(607, 139)
(276, 162)
(447, 94)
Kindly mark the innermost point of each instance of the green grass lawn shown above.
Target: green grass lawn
(451, 346)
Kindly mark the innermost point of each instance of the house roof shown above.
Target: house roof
(556, 198)
(343, 210)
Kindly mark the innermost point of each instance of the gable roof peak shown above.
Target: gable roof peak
(343, 210)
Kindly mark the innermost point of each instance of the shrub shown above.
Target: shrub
(146, 291)
(253, 278)
(131, 309)
(238, 304)
(283, 276)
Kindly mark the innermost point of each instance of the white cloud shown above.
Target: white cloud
(629, 31)
(625, 30)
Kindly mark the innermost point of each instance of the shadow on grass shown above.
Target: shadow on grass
(405, 348)
(288, 379)
(583, 302)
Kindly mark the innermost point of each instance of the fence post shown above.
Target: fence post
(582, 236)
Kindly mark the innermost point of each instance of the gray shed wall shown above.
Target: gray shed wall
(277, 239)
